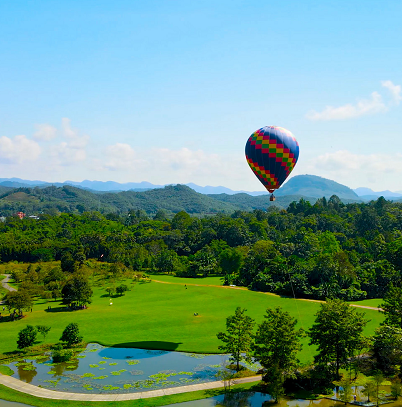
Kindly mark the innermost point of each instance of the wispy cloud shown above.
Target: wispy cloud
(373, 105)
(394, 89)
(44, 132)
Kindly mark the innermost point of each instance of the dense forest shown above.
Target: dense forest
(325, 250)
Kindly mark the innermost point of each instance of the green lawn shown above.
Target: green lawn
(374, 302)
(182, 280)
(161, 316)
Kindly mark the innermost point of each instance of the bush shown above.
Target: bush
(26, 337)
(62, 355)
(71, 334)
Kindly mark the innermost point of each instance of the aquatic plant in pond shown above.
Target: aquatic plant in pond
(159, 369)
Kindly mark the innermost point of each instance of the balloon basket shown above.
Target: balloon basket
(272, 198)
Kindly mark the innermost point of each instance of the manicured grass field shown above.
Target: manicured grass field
(161, 316)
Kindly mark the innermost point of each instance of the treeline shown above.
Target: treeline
(337, 332)
(326, 250)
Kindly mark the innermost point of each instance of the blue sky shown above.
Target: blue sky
(169, 91)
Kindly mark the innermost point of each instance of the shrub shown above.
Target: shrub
(71, 334)
(26, 337)
(62, 355)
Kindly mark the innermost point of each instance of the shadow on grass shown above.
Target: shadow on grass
(153, 345)
(63, 309)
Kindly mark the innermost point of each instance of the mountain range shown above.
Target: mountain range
(35, 197)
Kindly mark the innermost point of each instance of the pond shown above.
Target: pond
(100, 369)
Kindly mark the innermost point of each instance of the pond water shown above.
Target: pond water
(100, 369)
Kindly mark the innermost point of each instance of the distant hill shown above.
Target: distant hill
(247, 202)
(316, 187)
(172, 199)
(367, 194)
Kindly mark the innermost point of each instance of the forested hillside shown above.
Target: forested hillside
(329, 249)
(69, 199)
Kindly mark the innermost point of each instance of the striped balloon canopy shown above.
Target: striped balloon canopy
(272, 153)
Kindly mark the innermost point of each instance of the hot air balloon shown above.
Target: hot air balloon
(272, 153)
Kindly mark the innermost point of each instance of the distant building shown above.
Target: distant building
(33, 217)
(2, 218)
(21, 215)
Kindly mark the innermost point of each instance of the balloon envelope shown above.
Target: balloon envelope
(272, 153)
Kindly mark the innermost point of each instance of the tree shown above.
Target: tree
(372, 388)
(77, 289)
(71, 334)
(396, 388)
(277, 343)
(230, 261)
(337, 331)
(392, 307)
(68, 263)
(121, 289)
(387, 347)
(18, 301)
(43, 329)
(238, 337)
(166, 261)
(26, 337)
(345, 391)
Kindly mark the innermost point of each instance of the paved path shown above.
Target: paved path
(27, 388)
(5, 285)
(275, 295)
(5, 281)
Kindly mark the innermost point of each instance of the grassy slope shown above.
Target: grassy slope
(158, 315)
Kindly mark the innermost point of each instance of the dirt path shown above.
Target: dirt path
(244, 288)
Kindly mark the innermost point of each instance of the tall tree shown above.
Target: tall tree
(338, 332)
(277, 343)
(387, 347)
(392, 307)
(238, 337)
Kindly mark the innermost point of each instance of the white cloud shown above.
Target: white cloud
(394, 89)
(381, 171)
(71, 151)
(121, 156)
(363, 107)
(164, 166)
(44, 132)
(18, 150)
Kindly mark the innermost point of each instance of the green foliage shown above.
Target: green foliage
(62, 355)
(392, 307)
(26, 337)
(338, 333)
(121, 289)
(71, 334)
(277, 343)
(18, 301)
(387, 348)
(238, 338)
(77, 290)
(43, 330)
